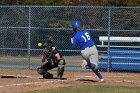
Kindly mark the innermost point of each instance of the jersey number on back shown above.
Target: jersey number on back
(86, 37)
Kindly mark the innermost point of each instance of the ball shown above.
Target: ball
(39, 44)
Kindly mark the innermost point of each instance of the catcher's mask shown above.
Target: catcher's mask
(48, 43)
(47, 48)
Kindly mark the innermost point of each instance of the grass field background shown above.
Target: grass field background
(91, 89)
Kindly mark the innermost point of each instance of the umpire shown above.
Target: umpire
(53, 60)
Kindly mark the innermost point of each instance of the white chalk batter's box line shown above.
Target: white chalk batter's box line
(19, 76)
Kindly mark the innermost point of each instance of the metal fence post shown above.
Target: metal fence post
(29, 33)
(109, 63)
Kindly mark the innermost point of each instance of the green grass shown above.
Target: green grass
(91, 89)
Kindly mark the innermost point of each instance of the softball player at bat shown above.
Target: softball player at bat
(88, 49)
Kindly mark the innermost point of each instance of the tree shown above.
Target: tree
(73, 2)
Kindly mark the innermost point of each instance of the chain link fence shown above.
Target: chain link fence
(115, 30)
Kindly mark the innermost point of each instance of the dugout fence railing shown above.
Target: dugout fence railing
(22, 27)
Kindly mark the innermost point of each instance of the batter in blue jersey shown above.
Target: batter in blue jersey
(89, 51)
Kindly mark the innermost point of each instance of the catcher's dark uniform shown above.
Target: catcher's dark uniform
(49, 52)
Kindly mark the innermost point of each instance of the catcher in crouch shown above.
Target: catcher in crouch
(53, 60)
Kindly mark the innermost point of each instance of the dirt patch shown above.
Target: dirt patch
(29, 80)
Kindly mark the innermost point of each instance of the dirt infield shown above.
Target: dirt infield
(12, 80)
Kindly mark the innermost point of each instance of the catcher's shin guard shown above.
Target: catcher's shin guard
(61, 68)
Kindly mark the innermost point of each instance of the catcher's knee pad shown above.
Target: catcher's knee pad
(40, 71)
(47, 75)
(61, 68)
(61, 62)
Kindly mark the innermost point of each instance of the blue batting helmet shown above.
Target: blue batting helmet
(76, 24)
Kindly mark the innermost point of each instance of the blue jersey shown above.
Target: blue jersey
(83, 39)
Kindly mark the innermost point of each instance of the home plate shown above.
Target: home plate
(85, 77)
(77, 78)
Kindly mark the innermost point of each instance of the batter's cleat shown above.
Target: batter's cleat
(101, 80)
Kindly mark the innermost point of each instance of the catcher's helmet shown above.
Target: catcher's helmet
(48, 43)
(76, 24)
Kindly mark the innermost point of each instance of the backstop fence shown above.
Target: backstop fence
(115, 30)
